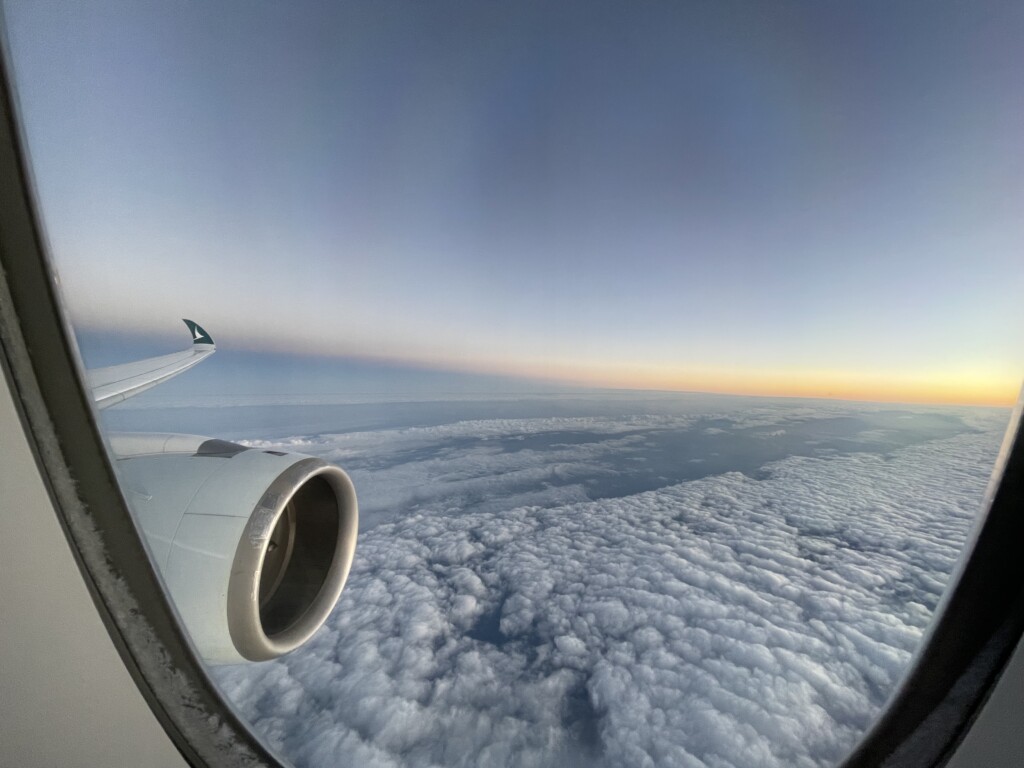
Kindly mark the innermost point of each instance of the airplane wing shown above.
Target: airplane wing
(116, 383)
(254, 546)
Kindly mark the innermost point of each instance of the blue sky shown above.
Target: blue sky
(806, 198)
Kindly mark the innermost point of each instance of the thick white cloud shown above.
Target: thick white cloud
(725, 621)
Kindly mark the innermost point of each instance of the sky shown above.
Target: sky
(809, 199)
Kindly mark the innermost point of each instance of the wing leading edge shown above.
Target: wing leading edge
(116, 383)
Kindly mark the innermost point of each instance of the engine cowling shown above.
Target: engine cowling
(254, 545)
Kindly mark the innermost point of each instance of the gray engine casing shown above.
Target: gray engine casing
(253, 545)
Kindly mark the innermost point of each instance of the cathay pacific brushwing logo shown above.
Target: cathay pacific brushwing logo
(199, 336)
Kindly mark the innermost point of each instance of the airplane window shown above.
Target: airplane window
(660, 354)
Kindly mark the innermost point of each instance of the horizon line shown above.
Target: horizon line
(590, 378)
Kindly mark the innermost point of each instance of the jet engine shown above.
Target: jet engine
(253, 545)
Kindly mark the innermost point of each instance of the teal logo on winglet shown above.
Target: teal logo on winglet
(199, 336)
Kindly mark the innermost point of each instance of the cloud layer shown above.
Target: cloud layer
(725, 621)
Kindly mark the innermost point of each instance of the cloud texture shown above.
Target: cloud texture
(726, 621)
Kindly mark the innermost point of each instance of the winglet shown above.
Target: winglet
(199, 336)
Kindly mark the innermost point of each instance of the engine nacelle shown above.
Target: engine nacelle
(254, 545)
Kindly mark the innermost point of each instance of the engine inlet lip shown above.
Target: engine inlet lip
(243, 603)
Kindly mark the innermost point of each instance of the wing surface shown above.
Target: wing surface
(116, 383)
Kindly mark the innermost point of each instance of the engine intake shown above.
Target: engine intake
(291, 565)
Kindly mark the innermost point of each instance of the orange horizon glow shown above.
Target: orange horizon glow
(939, 388)
(835, 386)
